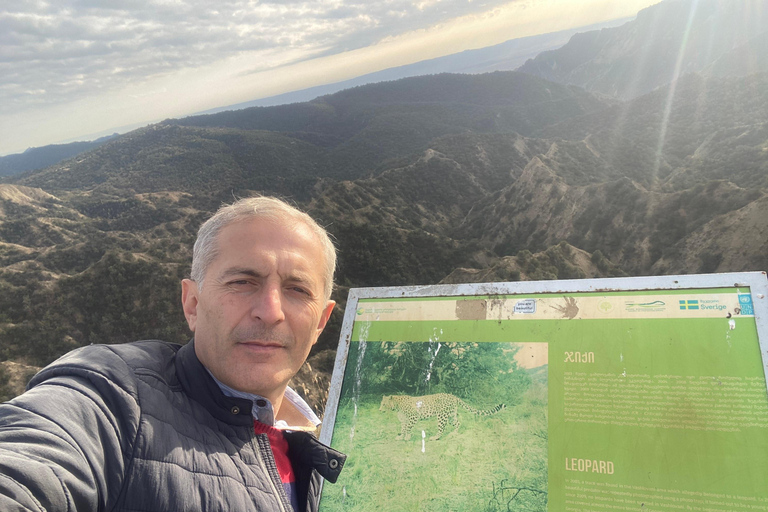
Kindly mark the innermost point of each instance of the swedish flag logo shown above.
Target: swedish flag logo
(689, 304)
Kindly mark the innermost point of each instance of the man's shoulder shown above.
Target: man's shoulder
(147, 354)
(119, 364)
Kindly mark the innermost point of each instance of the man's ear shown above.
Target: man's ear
(324, 316)
(189, 300)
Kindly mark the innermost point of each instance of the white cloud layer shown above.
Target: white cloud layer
(54, 51)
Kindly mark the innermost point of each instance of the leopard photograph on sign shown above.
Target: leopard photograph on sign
(477, 410)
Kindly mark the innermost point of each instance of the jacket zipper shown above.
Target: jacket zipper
(265, 452)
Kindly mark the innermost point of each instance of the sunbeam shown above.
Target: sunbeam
(671, 94)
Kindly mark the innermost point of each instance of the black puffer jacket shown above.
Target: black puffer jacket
(142, 427)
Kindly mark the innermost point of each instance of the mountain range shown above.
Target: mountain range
(37, 158)
(441, 178)
(506, 56)
(664, 42)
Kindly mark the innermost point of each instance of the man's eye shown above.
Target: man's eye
(239, 282)
(299, 289)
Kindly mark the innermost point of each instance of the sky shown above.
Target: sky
(79, 69)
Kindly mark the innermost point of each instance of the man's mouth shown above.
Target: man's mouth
(262, 345)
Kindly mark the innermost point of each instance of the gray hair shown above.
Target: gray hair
(270, 208)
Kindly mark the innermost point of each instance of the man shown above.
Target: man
(210, 426)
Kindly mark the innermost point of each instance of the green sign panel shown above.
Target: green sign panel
(643, 394)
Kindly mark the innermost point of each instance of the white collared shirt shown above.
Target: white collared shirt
(262, 408)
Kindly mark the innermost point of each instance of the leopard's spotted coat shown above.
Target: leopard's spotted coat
(411, 409)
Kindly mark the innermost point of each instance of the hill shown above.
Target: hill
(664, 42)
(37, 158)
(286, 149)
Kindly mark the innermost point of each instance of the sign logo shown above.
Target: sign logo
(527, 306)
(605, 306)
(689, 304)
(745, 303)
(656, 305)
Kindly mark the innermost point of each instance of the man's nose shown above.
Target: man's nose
(269, 305)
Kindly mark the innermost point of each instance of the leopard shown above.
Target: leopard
(411, 409)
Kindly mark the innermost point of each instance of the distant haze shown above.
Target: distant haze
(505, 56)
(75, 69)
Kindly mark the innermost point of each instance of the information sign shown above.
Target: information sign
(643, 394)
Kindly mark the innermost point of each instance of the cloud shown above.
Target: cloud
(57, 51)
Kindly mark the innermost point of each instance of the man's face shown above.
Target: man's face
(262, 305)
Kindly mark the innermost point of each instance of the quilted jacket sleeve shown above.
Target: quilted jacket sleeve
(65, 442)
